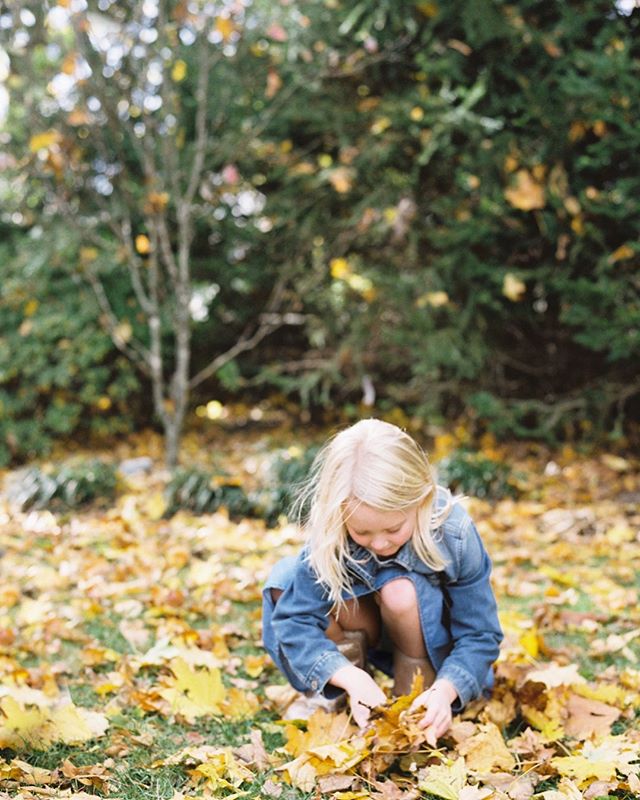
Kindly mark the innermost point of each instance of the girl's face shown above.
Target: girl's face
(381, 532)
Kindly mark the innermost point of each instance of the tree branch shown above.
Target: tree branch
(135, 352)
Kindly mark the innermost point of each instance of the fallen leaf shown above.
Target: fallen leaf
(589, 718)
(193, 693)
(444, 780)
(486, 750)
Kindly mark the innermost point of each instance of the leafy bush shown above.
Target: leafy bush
(473, 473)
(288, 471)
(66, 487)
(203, 492)
(60, 374)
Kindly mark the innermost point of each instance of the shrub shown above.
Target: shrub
(66, 487)
(60, 374)
(288, 471)
(203, 492)
(472, 473)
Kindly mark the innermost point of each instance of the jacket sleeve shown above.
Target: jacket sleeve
(300, 620)
(472, 615)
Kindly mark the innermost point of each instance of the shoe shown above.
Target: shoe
(305, 705)
(354, 647)
(405, 668)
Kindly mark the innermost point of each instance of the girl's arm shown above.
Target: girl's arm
(472, 615)
(299, 623)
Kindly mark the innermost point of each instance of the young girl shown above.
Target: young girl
(392, 565)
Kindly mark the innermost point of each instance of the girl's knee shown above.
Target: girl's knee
(276, 594)
(399, 596)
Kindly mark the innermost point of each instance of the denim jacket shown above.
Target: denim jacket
(457, 608)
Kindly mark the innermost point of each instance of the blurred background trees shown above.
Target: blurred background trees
(423, 206)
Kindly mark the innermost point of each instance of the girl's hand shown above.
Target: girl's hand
(437, 701)
(364, 693)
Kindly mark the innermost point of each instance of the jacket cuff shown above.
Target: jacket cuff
(327, 665)
(465, 684)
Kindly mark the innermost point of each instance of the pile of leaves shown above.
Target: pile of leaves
(131, 664)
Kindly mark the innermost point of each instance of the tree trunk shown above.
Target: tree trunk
(173, 425)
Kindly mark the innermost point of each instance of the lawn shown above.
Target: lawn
(131, 665)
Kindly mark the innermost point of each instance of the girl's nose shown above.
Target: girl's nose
(379, 543)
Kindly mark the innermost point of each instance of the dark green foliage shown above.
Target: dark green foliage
(203, 492)
(66, 487)
(472, 473)
(288, 472)
(436, 117)
(434, 152)
(60, 374)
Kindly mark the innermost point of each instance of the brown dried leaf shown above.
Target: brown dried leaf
(589, 717)
(486, 750)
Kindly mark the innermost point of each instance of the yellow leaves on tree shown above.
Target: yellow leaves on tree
(143, 244)
(513, 288)
(526, 193)
(225, 27)
(179, 71)
(43, 141)
(222, 771)
(342, 270)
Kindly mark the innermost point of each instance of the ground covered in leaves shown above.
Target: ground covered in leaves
(131, 667)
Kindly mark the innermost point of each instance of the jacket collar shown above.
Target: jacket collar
(365, 563)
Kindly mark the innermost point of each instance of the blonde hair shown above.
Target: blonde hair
(375, 463)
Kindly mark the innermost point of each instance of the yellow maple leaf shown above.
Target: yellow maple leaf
(254, 665)
(328, 759)
(239, 704)
(39, 727)
(223, 771)
(322, 728)
(23, 727)
(549, 721)
(75, 725)
(444, 780)
(486, 750)
(193, 693)
(553, 675)
(600, 761)
(567, 790)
